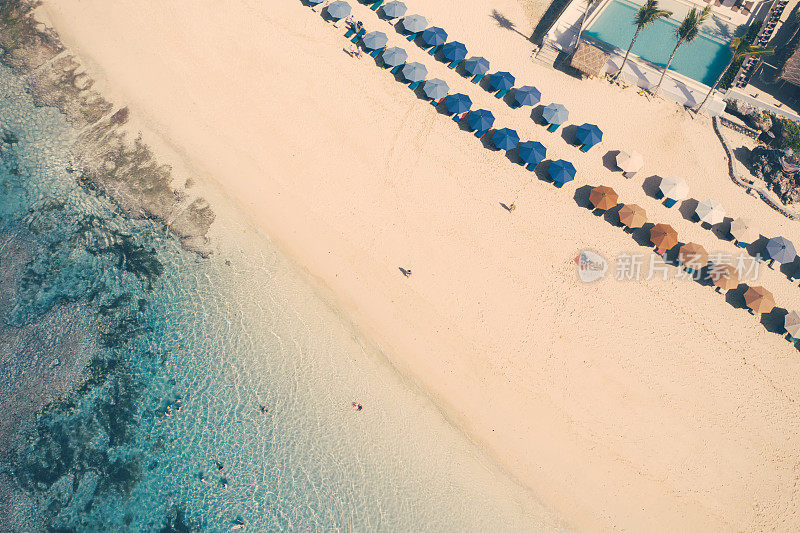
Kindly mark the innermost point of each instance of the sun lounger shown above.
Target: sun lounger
(358, 35)
(532, 167)
(477, 78)
(553, 127)
(396, 69)
(501, 94)
(435, 103)
(433, 50)
(377, 51)
(454, 64)
(414, 85)
(669, 202)
(481, 133)
(585, 147)
(376, 5)
(350, 32)
(412, 36)
(457, 118)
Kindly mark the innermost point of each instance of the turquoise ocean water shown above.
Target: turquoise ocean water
(164, 431)
(703, 59)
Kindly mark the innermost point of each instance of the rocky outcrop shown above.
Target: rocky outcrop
(753, 116)
(109, 158)
(776, 169)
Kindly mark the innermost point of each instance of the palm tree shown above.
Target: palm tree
(589, 4)
(686, 33)
(741, 50)
(647, 14)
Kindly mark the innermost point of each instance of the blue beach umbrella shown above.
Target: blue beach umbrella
(435, 89)
(480, 120)
(394, 10)
(375, 40)
(458, 103)
(561, 172)
(505, 139)
(315, 2)
(555, 114)
(781, 250)
(338, 9)
(476, 66)
(454, 51)
(434, 36)
(532, 152)
(501, 81)
(588, 134)
(527, 95)
(414, 72)
(414, 23)
(394, 56)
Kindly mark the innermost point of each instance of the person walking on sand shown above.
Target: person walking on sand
(512, 207)
(406, 272)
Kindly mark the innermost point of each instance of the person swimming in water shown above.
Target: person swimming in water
(220, 466)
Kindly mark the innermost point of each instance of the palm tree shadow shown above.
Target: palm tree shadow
(507, 24)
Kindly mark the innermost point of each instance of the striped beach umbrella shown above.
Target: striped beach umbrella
(501, 81)
(527, 95)
(393, 10)
(663, 236)
(781, 250)
(724, 276)
(632, 216)
(505, 139)
(693, 256)
(476, 66)
(480, 119)
(674, 188)
(414, 71)
(414, 23)
(630, 161)
(743, 231)
(532, 152)
(375, 40)
(338, 9)
(555, 114)
(588, 134)
(394, 56)
(458, 103)
(561, 172)
(603, 198)
(710, 211)
(759, 300)
(435, 89)
(454, 51)
(434, 36)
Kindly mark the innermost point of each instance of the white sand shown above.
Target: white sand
(642, 406)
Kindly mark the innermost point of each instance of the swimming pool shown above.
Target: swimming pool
(703, 59)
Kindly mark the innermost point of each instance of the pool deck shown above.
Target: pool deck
(563, 35)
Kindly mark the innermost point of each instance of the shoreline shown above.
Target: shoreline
(401, 308)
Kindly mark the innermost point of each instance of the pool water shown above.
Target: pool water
(703, 59)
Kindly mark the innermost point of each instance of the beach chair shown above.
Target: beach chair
(481, 133)
(377, 51)
(435, 103)
(376, 5)
(515, 105)
(415, 84)
(477, 78)
(457, 118)
(501, 94)
(553, 127)
(669, 202)
(532, 166)
(358, 35)
(434, 49)
(454, 64)
(350, 32)
(412, 36)
(396, 69)
(585, 147)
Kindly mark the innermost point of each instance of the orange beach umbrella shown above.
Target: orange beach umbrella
(632, 216)
(663, 236)
(693, 255)
(603, 198)
(724, 276)
(759, 299)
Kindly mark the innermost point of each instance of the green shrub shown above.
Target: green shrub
(791, 135)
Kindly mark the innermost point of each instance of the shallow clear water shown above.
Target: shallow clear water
(703, 59)
(178, 355)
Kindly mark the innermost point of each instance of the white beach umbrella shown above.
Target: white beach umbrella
(743, 231)
(792, 324)
(630, 161)
(710, 211)
(674, 188)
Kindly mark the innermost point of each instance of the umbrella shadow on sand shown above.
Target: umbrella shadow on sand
(758, 247)
(641, 236)
(568, 133)
(513, 155)
(612, 216)
(688, 208)
(610, 160)
(650, 186)
(536, 115)
(774, 320)
(581, 196)
(541, 171)
(735, 297)
(789, 269)
(486, 141)
(723, 230)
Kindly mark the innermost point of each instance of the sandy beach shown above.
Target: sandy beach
(622, 405)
